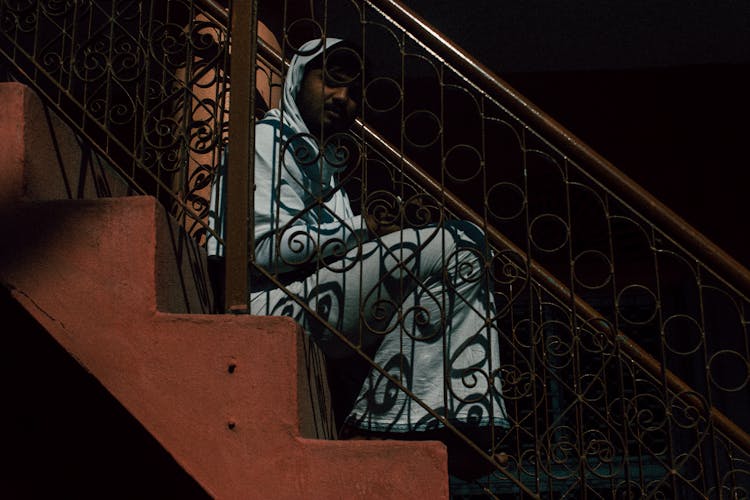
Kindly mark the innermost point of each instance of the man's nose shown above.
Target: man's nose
(341, 93)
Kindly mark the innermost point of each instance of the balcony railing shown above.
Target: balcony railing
(616, 357)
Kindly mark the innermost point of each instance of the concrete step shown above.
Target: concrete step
(227, 396)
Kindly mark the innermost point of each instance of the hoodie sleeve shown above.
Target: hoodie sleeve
(297, 222)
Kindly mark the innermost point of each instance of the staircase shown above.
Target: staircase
(231, 406)
(624, 361)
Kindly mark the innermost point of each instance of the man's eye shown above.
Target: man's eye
(338, 80)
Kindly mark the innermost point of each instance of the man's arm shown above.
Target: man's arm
(291, 232)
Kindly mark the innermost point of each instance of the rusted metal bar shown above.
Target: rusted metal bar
(542, 432)
(240, 185)
(263, 50)
(218, 11)
(558, 289)
(633, 350)
(568, 143)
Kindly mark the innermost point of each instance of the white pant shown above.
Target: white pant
(420, 302)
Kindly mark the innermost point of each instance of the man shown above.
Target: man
(415, 300)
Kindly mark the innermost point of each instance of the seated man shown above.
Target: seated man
(415, 302)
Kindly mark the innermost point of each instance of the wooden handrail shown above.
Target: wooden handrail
(618, 182)
(615, 180)
(562, 292)
(217, 10)
(625, 188)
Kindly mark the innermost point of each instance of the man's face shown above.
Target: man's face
(328, 100)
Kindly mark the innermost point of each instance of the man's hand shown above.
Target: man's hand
(380, 226)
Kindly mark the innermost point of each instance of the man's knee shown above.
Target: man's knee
(466, 234)
(455, 246)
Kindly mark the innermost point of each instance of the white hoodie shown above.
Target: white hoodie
(300, 210)
(301, 213)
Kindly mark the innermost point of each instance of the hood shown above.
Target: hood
(293, 80)
(289, 114)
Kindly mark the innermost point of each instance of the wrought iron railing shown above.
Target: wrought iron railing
(144, 82)
(622, 360)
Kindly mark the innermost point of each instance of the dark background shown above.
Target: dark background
(657, 87)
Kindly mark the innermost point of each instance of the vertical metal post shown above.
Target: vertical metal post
(239, 247)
